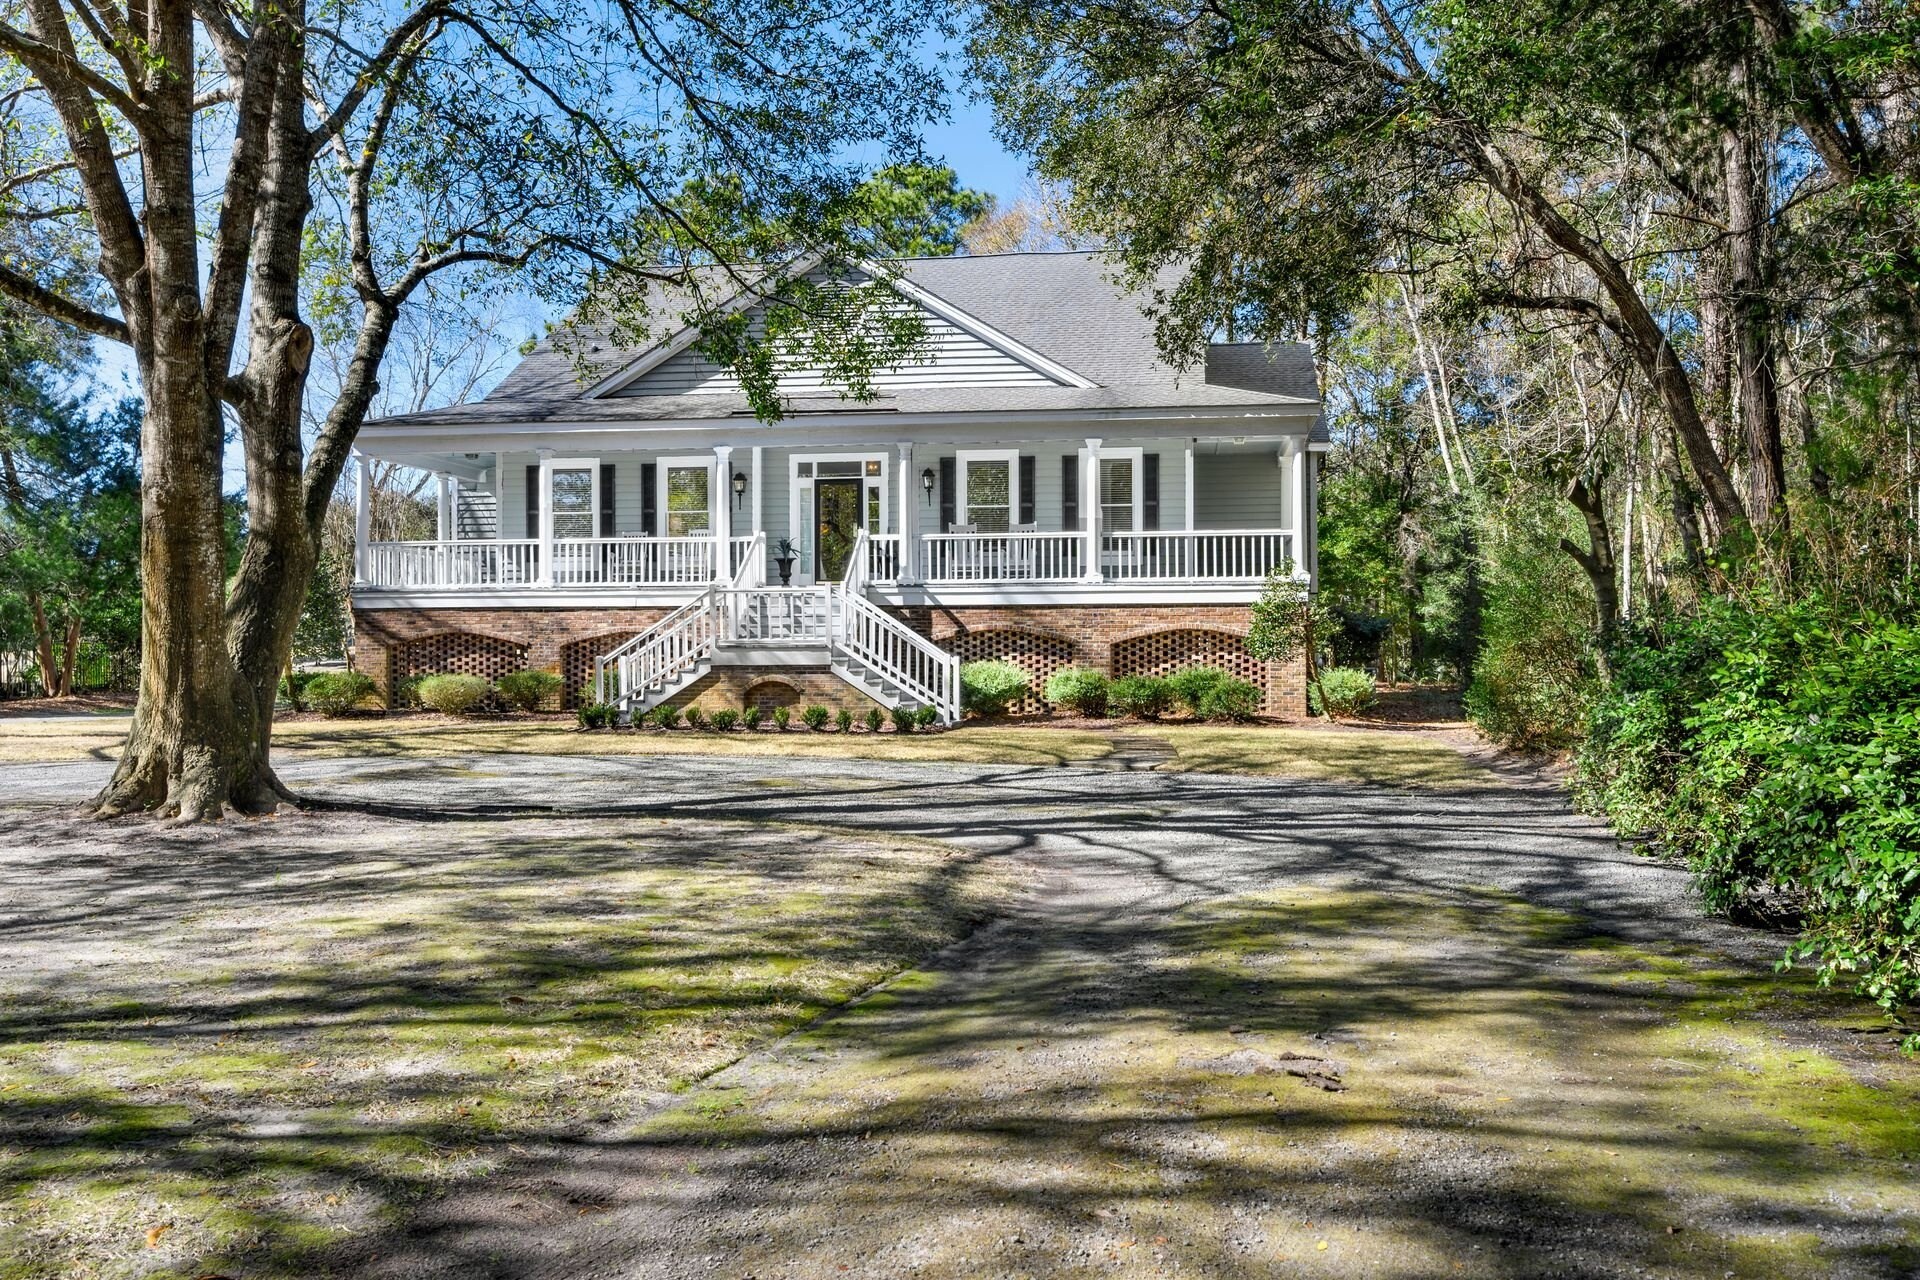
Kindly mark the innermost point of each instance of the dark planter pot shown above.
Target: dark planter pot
(786, 570)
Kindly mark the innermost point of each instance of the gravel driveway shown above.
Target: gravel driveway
(1236, 1026)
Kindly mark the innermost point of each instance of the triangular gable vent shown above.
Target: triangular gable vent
(960, 352)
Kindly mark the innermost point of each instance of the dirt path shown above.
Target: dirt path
(1236, 1027)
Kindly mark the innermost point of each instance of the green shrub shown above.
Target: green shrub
(843, 720)
(339, 692)
(903, 719)
(1230, 699)
(1079, 690)
(724, 719)
(815, 718)
(597, 715)
(1534, 673)
(1148, 697)
(293, 688)
(526, 690)
(454, 695)
(1777, 749)
(696, 718)
(781, 717)
(926, 717)
(752, 717)
(1190, 685)
(989, 688)
(1343, 691)
(667, 717)
(406, 691)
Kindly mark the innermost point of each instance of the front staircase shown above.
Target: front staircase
(747, 623)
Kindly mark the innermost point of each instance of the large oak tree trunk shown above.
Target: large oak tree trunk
(1754, 348)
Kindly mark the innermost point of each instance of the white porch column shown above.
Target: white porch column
(362, 515)
(500, 497)
(1302, 514)
(443, 509)
(909, 513)
(753, 493)
(545, 577)
(1090, 508)
(1189, 508)
(723, 514)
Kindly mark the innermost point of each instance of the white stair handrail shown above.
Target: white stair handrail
(672, 645)
(896, 653)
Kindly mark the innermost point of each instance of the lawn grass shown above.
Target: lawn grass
(1380, 757)
(270, 1040)
(1383, 758)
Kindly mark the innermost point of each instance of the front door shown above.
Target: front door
(836, 522)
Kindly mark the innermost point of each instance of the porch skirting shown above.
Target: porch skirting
(391, 645)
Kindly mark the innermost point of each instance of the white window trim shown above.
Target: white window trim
(1135, 455)
(800, 500)
(690, 462)
(550, 465)
(963, 458)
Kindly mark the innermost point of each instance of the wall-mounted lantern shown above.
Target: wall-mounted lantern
(739, 486)
(926, 484)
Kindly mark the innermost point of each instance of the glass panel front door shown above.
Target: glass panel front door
(572, 493)
(836, 521)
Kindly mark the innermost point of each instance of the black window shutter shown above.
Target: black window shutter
(1150, 491)
(606, 499)
(947, 497)
(1069, 491)
(1026, 488)
(649, 499)
(533, 500)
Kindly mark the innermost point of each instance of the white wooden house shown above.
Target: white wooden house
(1038, 486)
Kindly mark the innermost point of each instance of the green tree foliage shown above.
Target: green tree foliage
(69, 521)
(919, 210)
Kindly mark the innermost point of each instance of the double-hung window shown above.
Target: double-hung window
(989, 490)
(686, 497)
(1122, 490)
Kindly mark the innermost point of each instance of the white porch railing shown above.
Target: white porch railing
(654, 659)
(774, 615)
(923, 672)
(881, 559)
(1198, 555)
(610, 562)
(1002, 557)
(505, 563)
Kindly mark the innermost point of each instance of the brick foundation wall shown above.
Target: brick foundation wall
(1121, 641)
(392, 644)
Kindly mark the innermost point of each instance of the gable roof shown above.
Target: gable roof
(1057, 318)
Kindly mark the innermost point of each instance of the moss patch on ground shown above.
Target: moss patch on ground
(1320, 1082)
(225, 1050)
(1384, 758)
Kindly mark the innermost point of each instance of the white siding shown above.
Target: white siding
(952, 358)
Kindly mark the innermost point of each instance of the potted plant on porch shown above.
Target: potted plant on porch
(784, 554)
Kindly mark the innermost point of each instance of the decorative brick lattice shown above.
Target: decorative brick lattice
(1164, 652)
(771, 695)
(1037, 654)
(576, 664)
(460, 653)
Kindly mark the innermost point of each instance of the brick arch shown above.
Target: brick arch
(465, 653)
(1159, 653)
(772, 693)
(576, 663)
(1038, 653)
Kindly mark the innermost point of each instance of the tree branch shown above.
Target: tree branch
(27, 290)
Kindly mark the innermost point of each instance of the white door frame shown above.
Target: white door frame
(800, 501)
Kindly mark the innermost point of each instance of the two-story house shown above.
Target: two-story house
(1037, 485)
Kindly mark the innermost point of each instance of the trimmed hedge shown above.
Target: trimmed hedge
(1190, 685)
(454, 695)
(1231, 699)
(1148, 697)
(1079, 690)
(526, 690)
(989, 688)
(1343, 691)
(338, 692)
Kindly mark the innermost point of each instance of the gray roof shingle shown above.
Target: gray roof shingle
(1063, 305)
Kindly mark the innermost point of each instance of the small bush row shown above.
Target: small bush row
(339, 693)
(727, 720)
(1206, 693)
